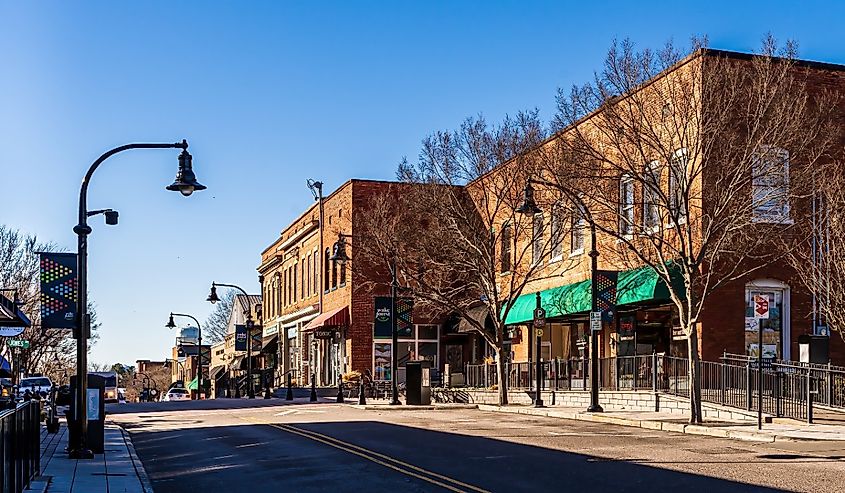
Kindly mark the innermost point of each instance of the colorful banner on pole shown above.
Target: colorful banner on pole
(606, 293)
(58, 290)
(382, 328)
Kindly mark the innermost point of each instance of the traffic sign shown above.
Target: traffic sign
(539, 332)
(539, 317)
(595, 321)
(23, 344)
(761, 306)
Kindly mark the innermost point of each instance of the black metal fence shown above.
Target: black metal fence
(789, 389)
(20, 453)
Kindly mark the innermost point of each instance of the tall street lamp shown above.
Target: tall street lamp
(529, 207)
(213, 298)
(171, 325)
(316, 188)
(185, 183)
(340, 255)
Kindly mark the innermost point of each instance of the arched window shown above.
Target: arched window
(343, 274)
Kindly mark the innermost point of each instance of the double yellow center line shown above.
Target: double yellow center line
(382, 460)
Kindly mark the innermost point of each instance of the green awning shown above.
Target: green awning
(634, 286)
(193, 384)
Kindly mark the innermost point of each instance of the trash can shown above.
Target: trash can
(95, 410)
(418, 383)
(813, 349)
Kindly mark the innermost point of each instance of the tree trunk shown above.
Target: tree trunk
(501, 369)
(694, 377)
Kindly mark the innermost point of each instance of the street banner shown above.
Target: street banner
(240, 338)
(58, 290)
(382, 328)
(606, 293)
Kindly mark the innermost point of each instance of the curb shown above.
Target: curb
(405, 407)
(146, 485)
(701, 430)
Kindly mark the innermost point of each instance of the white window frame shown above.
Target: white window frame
(675, 189)
(576, 234)
(556, 222)
(415, 340)
(626, 205)
(538, 224)
(651, 205)
(772, 188)
(786, 316)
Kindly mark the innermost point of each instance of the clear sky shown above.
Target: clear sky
(269, 94)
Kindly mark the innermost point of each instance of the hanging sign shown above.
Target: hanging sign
(605, 293)
(595, 321)
(761, 306)
(240, 337)
(382, 327)
(58, 290)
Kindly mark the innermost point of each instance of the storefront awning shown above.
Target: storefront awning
(237, 363)
(270, 344)
(334, 318)
(10, 314)
(193, 384)
(216, 372)
(479, 314)
(634, 286)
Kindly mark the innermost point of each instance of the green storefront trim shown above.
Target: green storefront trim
(634, 286)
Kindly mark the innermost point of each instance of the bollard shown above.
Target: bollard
(313, 397)
(362, 399)
(289, 393)
(340, 391)
(267, 393)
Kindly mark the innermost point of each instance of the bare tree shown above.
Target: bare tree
(686, 164)
(453, 230)
(50, 349)
(819, 257)
(216, 324)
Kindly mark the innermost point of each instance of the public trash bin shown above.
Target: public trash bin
(418, 383)
(95, 410)
(813, 349)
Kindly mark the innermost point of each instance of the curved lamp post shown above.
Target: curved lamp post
(186, 184)
(180, 366)
(171, 325)
(529, 207)
(213, 298)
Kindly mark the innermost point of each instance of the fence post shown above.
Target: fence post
(829, 378)
(809, 397)
(778, 394)
(722, 382)
(654, 371)
(748, 381)
(556, 374)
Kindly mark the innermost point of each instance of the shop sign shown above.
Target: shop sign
(605, 293)
(58, 290)
(626, 325)
(240, 337)
(761, 306)
(324, 333)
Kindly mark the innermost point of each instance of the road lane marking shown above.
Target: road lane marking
(381, 459)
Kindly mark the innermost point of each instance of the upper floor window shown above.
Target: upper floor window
(651, 196)
(678, 186)
(537, 238)
(315, 276)
(293, 284)
(343, 274)
(302, 276)
(506, 248)
(326, 262)
(578, 219)
(557, 219)
(334, 275)
(626, 205)
(770, 185)
(307, 265)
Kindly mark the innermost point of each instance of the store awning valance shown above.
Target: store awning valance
(237, 362)
(480, 314)
(193, 384)
(216, 372)
(331, 319)
(10, 314)
(270, 344)
(634, 286)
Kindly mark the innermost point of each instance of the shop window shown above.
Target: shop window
(773, 326)
(427, 332)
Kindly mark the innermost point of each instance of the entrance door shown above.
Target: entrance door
(776, 333)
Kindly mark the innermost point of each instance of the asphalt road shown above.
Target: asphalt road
(241, 445)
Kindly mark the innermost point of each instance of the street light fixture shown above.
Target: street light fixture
(213, 298)
(186, 183)
(339, 255)
(529, 206)
(172, 325)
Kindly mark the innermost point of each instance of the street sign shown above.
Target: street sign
(595, 321)
(540, 318)
(18, 343)
(11, 331)
(761, 306)
(539, 332)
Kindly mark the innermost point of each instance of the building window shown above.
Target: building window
(303, 275)
(424, 344)
(506, 248)
(677, 187)
(557, 219)
(334, 275)
(651, 196)
(308, 285)
(626, 205)
(286, 287)
(770, 185)
(293, 284)
(316, 276)
(537, 239)
(326, 263)
(775, 327)
(343, 274)
(578, 220)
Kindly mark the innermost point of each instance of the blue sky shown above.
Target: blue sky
(271, 93)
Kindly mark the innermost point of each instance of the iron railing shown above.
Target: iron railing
(20, 454)
(788, 389)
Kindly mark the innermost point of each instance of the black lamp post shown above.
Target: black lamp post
(529, 206)
(213, 298)
(171, 325)
(186, 184)
(339, 255)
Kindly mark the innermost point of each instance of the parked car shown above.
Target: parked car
(7, 394)
(176, 394)
(42, 385)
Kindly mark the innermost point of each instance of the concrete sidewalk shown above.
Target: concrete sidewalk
(118, 470)
(739, 430)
